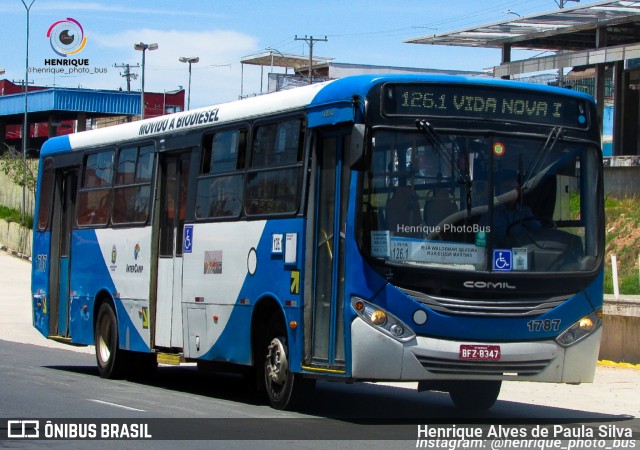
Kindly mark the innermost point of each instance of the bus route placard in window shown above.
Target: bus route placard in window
(488, 103)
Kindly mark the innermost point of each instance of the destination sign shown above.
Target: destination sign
(479, 102)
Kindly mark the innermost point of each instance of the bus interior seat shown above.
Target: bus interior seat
(542, 200)
(439, 207)
(373, 218)
(403, 209)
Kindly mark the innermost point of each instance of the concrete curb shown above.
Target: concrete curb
(16, 237)
(15, 253)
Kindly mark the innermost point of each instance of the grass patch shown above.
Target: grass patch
(622, 222)
(14, 215)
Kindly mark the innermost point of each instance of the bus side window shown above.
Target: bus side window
(94, 197)
(46, 195)
(219, 196)
(98, 170)
(93, 207)
(273, 181)
(220, 183)
(132, 192)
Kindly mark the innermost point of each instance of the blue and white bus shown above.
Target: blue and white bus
(435, 229)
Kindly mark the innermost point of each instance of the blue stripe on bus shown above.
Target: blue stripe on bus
(58, 144)
(234, 343)
(90, 276)
(504, 329)
(63, 296)
(362, 84)
(40, 281)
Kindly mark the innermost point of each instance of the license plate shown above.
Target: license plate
(480, 352)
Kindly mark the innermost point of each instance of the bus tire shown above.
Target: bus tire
(284, 388)
(478, 395)
(111, 360)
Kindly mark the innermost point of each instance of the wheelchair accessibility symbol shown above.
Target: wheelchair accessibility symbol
(502, 260)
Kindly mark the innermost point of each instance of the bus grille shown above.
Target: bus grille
(512, 307)
(497, 368)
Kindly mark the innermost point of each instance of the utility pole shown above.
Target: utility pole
(25, 121)
(127, 73)
(311, 40)
(561, 3)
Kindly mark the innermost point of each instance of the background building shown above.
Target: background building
(58, 111)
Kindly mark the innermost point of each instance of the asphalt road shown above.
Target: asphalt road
(46, 380)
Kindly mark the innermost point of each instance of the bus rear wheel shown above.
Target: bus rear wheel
(284, 388)
(111, 360)
(477, 395)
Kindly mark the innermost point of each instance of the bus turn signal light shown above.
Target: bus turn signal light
(586, 324)
(580, 329)
(381, 320)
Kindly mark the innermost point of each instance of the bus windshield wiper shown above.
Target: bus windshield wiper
(432, 136)
(462, 177)
(556, 134)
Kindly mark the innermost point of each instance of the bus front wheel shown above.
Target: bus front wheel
(475, 395)
(110, 358)
(284, 388)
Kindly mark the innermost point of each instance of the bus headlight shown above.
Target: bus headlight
(378, 317)
(382, 320)
(580, 330)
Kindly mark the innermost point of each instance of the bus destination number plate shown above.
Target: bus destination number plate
(480, 352)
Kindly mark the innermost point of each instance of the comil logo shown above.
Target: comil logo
(67, 37)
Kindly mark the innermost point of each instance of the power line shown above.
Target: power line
(462, 21)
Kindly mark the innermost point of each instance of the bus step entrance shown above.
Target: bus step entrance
(171, 359)
(64, 340)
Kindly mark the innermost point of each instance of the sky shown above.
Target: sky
(221, 32)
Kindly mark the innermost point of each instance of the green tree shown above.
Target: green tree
(20, 172)
(18, 169)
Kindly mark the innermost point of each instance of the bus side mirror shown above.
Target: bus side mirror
(357, 150)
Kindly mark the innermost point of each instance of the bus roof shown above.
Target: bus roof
(327, 103)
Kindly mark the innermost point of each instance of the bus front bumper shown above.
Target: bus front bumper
(377, 357)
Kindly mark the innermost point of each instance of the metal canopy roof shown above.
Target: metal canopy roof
(562, 29)
(67, 103)
(276, 59)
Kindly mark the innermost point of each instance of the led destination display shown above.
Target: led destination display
(474, 102)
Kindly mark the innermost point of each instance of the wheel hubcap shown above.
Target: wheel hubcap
(277, 364)
(104, 340)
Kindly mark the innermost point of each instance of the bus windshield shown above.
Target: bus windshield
(481, 202)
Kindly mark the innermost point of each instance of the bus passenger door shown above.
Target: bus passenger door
(174, 171)
(332, 187)
(61, 227)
